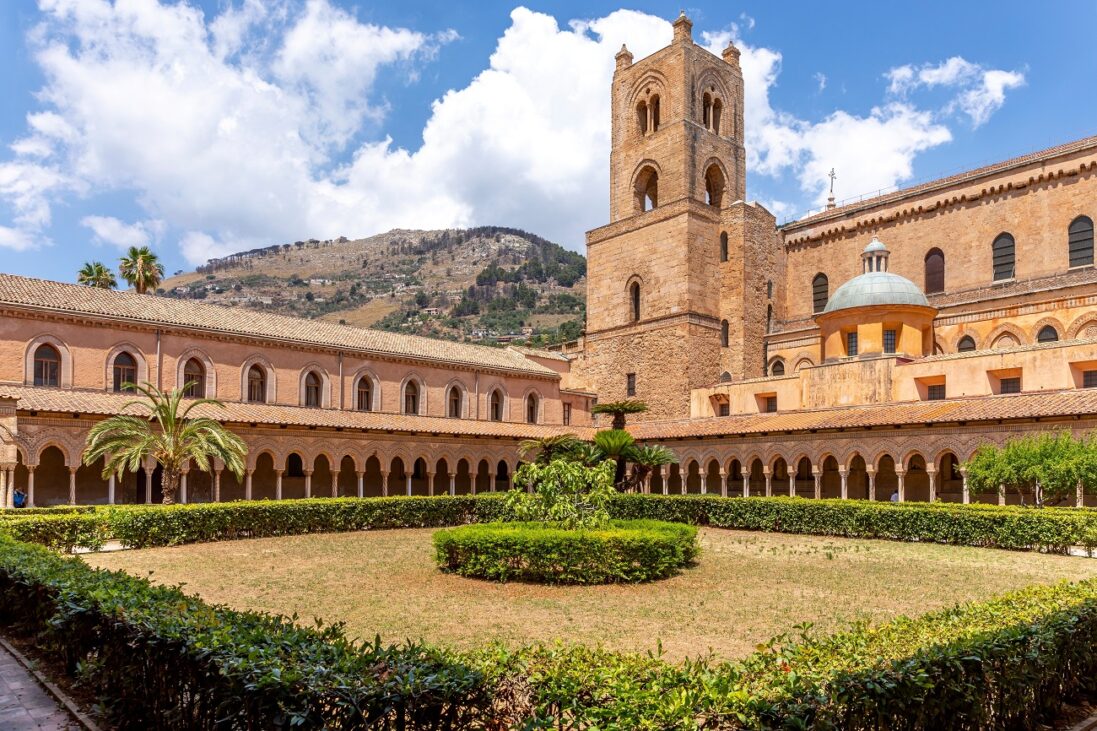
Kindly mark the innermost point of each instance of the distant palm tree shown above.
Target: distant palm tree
(96, 274)
(549, 448)
(588, 454)
(142, 269)
(646, 458)
(620, 409)
(170, 436)
(615, 444)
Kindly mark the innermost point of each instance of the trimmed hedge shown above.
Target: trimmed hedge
(629, 551)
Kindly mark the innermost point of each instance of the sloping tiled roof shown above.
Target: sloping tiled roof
(104, 403)
(959, 178)
(979, 409)
(41, 294)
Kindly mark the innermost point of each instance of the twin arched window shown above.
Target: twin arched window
(531, 408)
(495, 405)
(124, 372)
(1080, 241)
(194, 379)
(257, 384)
(47, 366)
(314, 390)
(712, 110)
(935, 271)
(411, 397)
(1004, 258)
(820, 292)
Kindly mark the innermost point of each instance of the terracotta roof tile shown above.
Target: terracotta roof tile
(985, 408)
(104, 403)
(25, 292)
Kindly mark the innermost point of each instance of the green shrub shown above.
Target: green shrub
(622, 552)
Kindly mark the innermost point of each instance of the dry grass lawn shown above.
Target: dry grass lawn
(746, 588)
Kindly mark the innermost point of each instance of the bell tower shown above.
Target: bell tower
(667, 276)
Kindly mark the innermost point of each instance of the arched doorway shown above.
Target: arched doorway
(263, 479)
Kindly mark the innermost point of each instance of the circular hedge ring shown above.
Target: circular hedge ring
(626, 551)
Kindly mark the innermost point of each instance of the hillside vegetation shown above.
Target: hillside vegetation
(487, 284)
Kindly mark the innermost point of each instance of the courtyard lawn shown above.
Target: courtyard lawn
(746, 588)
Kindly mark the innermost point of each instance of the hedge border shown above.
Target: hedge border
(626, 551)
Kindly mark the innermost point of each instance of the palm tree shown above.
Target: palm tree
(615, 444)
(646, 458)
(620, 409)
(96, 274)
(171, 437)
(549, 448)
(142, 269)
(588, 454)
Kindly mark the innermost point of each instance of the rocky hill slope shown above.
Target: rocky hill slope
(488, 284)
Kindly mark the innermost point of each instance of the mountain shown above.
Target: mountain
(488, 284)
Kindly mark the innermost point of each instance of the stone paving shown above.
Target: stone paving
(25, 705)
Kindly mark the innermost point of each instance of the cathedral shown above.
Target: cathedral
(863, 352)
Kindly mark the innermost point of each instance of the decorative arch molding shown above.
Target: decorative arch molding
(48, 440)
(257, 450)
(65, 378)
(803, 361)
(1060, 330)
(268, 369)
(374, 391)
(851, 454)
(885, 449)
(504, 406)
(207, 364)
(421, 384)
(1084, 327)
(1005, 329)
(647, 162)
(138, 358)
(533, 391)
(325, 384)
(911, 453)
(651, 83)
(967, 332)
(464, 391)
(711, 77)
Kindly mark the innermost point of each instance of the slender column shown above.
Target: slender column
(10, 471)
(361, 483)
(335, 484)
(247, 484)
(792, 484)
(746, 484)
(72, 485)
(452, 483)
(217, 486)
(844, 474)
(901, 475)
(723, 484)
(966, 492)
(308, 483)
(871, 473)
(818, 482)
(148, 484)
(685, 480)
(30, 486)
(491, 482)
(278, 484)
(110, 487)
(472, 479)
(407, 483)
(384, 483)
(4, 487)
(183, 488)
(769, 481)
(932, 484)
(663, 477)
(430, 484)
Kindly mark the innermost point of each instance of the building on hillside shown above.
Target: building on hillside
(862, 352)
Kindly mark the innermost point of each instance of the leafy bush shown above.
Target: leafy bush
(565, 493)
(621, 552)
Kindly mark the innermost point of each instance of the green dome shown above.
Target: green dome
(876, 288)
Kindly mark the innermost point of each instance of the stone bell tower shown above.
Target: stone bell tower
(668, 277)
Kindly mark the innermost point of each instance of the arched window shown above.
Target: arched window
(642, 117)
(411, 398)
(125, 372)
(966, 344)
(725, 333)
(1047, 334)
(531, 409)
(364, 394)
(314, 389)
(706, 110)
(257, 384)
(453, 402)
(654, 104)
(1080, 241)
(935, 271)
(714, 186)
(646, 190)
(724, 246)
(1004, 259)
(778, 368)
(495, 406)
(717, 112)
(634, 301)
(820, 292)
(47, 366)
(194, 379)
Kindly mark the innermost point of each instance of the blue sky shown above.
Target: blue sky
(206, 127)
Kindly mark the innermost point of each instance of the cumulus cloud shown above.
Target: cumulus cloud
(260, 124)
(979, 91)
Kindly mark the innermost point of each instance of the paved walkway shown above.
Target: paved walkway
(25, 705)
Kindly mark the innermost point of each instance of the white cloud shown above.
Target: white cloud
(110, 230)
(979, 91)
(16, 239)
(260, 124)
(820, 79)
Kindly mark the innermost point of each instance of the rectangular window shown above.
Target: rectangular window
(1089, 379)
(771, 404)
(567, 414)
(630, 384)
(725, 410)
(851, 344)
(1011, 385)
(889, 341)
(936, 392)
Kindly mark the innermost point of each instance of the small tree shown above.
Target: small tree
(646, 458)
(549, 448)
(1052, 466)
(616, 445)
(563, 492)
(619, 410)
(169, 435)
